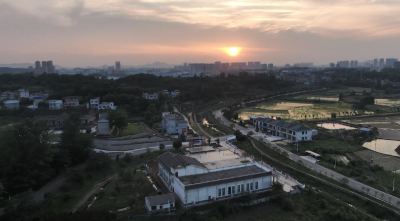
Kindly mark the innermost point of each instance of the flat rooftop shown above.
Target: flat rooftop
(223, 176)
(216, 156)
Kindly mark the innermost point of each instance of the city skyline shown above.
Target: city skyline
(93, 33)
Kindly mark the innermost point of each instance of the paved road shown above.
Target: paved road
(325, 171)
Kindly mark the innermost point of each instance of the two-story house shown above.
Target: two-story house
(174, 124)
(281, 128)
(94, 103)
(71, 101)
(106, 105)
(148, 96)
(23, 93)
(55, 104)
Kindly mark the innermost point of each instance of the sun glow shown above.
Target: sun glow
(233, 51)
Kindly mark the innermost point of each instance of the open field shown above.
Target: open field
(132, 129)
(129, 190)
(296, 109)
(388, 162)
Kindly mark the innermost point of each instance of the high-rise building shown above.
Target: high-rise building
(225, 66)
(257, 65)
(44, 66)
(381, 62)
(37, 65)
(352, 64)
(356, 63)
(376, 62)
(250, 65)
(396, 65)
(265, 66)
(118, 65)
(270, 66)
(332, 65)
(390, 62)
(50, 67)
(217, 65)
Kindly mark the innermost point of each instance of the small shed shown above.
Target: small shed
(11, 103)
(103, 127)
(312, 154)
(159, 203)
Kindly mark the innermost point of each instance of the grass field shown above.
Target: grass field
(296, 109)
(129, 190)
(132, 129)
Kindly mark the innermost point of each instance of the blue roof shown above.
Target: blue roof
(364, 129)
(37, 97)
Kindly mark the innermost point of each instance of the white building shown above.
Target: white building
(280, 128)
(164, 202)
(174, 123)
(23, 93)
(175, 93)
(72, 101)
(194, 183)
(56, 104)
(11, 104)
(94, 103)
(153, 96)
(106, 105)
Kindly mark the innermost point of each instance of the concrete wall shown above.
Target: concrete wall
(189, 170)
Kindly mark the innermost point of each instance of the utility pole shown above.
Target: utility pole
(335, 164)
(393, 183)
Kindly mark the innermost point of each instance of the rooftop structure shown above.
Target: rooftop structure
(160, 202)
(11, 104)
(153, 96)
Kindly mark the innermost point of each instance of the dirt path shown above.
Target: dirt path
(198, 125)
(89, 194)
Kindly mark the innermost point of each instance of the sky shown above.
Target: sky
(81, 33)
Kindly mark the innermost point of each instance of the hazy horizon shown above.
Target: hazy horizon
(84, 33)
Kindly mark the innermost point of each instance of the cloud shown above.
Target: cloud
(334, 18)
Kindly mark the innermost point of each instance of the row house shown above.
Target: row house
(292, 132)
(106, 105)
(7, 95)
(72, 101)
(148, 96)
(55, 104)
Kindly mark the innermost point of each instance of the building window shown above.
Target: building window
(256, 185)
(160, 206)
(247, 187)
(233, 189)
(153, 208)
(223, 191)
(302, 132)
(171, 205)
(251, 186)
(238, 188)
(219, 192)
(242, 188)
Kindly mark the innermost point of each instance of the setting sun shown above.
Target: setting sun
(233, 51)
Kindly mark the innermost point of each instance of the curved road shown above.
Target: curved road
(378, 194)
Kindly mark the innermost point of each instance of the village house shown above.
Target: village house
(56, 117)
(71, 101)
(94, 103)
(40, 94)
(148, 96)
(106, 105)
(158, 203)
(7, 95)
(175, 93)
(174, 124)
(281, 128)
(23, 93)
(55, 104)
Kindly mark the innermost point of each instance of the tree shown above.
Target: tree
(117, 119)
(77, 144)
(26, 156)
(162, 146)
(238, 134)
(183, 137)
(344, 180)
(177, 144)
(236, 116)
(333, 115)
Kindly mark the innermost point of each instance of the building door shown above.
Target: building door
(229, 190)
